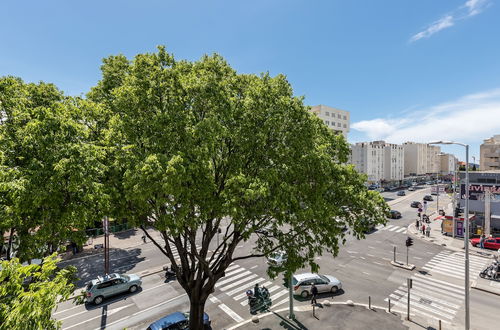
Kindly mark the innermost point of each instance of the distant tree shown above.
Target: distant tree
(474, 167)
(461, 168)
(50, 183)
(199, 147)
(29, 294)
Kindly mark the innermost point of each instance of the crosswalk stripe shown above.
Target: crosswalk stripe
(455, 268)
(414, 298)
(459, 263)
(459, 259)
(231, 267)
(233, 278)
(395, 227)
(236, 271)
(232, 285)
(420, 294)
(446, 273)
(279, 294)
(403, 311)
(439, 290)
(401, 230)
(281, 302)
(417, 306)
(247, 287)
(424, 278)
(379, 226)
(434, 295)
(231, 313)
(387, 227)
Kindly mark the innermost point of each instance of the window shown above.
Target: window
(327, 114)
(104, 285)
(345, 117)
(345, 126)
(338, 125)
(339, 116)
(327, 122)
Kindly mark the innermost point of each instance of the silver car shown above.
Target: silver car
(325, 283)
(103, 287)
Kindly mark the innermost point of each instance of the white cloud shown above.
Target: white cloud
(469, 119)
(468, 9)
(437, 26)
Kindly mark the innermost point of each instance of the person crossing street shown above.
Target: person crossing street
(314, 292)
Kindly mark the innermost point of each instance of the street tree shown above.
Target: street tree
(29, 294)
(50, 186)
(202, 149)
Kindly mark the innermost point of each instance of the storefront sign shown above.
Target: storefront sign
(477, 192)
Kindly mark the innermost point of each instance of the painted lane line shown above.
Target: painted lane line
(253, 267)
(108, 313)
(378, 263)
(65, 310)
(370, 255)
(418, 258)
(157, 305)
(371, 247)
(348, 251)
(366, 273)
(154, 287)
(231, 313)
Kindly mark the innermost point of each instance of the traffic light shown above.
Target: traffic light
(457, 212)
(418, 214)
(409, 241)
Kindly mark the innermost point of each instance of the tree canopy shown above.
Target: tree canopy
(29, 294)
(197, 147)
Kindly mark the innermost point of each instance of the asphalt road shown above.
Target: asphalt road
(363, 267)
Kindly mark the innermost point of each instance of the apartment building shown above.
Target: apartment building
(336, 119)
(380, 161)
(421, 159)
(490, 154)
(448, 163)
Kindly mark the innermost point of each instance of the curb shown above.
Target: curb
(404, 266)
(306, 308)
(484, 288)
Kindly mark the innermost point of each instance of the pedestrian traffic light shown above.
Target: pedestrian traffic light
(457, 212)
(409, 241)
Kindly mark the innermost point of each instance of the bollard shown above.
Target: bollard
(369, 302)
(394, 259)
(439, 324)
(389, 305)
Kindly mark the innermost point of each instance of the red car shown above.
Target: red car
(489, 243)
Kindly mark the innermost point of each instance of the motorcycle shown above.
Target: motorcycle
(491, 272)
(258, 301)
(169, 274)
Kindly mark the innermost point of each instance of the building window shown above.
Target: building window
(345, 117)
(327, 114)
(345, 126)
(327, 122)
(338, 124)
(333, 123)
(339, 116)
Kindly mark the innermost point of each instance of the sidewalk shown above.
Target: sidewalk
(122, 240)
(334, 315)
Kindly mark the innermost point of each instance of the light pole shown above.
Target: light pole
(466, 225)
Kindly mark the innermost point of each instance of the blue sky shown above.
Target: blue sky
(406, 70)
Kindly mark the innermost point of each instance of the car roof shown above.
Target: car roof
(168, 320)
(305, 276)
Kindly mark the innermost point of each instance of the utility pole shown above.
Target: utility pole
(106, 245)
(291, 315)
(408, 285)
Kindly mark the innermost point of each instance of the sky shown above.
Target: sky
(420, 70)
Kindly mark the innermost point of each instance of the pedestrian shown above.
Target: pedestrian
(144, 238)
(423, 229)
(314, 292)
(428, 231)
(418, 224)
(481, 241)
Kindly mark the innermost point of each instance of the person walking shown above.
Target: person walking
(314, 292)
(428, 231)
(423, 229)
(481, 241)
(418, 224)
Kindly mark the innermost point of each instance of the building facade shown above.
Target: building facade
(380, 161)
(449, 163)
(421, 159)
(490, 154)
(336, 119)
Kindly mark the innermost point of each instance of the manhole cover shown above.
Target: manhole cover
(425, 301)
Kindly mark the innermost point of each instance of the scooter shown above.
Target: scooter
(260, 301)
(491, 272)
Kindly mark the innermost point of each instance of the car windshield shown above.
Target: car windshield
(294, 281)
(89, 286)
(126, 277)
(324, 278)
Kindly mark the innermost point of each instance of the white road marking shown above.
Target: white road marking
(371, 247)
(231, 313)
(232, 285)
(253, 267)
(378, 263)
(370, 255)
(245, 273)
(108, 313)
(65, 310)
(348, 251)
(366, 273)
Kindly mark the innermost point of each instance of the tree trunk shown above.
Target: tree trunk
(9, 247)
(197, 308)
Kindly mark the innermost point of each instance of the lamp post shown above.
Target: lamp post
(466, 225)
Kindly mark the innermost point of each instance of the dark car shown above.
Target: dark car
(416, 204)
(428, 198)
(176, 321)
(393, 214)
(401, 193)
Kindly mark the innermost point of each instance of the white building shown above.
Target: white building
(378, 160)
(336, 119)
(448, 163)
(490, 154)
(421, 159)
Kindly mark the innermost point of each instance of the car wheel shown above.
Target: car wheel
(133, 288)
(334, 289)
(304, 294)
(98, 300)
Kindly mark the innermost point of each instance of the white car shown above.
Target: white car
(325, 283)
(276, 259)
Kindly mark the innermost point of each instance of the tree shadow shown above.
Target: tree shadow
(127, 233)
(292, 324)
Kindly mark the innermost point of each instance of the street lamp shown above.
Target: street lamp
(466, 225)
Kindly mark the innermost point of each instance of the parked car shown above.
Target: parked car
(489, 243)
(434, 193)
(401, 193)
(103, 287)
(428, 183)
(325, 283)
(276, 259)
(176, 321)
(412, 188)
(428, 198)
(393, 214)
(416, 204)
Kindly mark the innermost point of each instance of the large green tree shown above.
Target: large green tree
(29, 294)
(200, 147)
(51, 183)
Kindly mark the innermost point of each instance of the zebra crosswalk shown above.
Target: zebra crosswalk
(393, 228)
(237, 281)
(438, 298)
